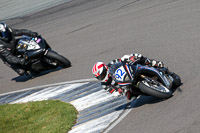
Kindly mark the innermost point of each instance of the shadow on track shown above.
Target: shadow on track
(25, 78)
(142, 100)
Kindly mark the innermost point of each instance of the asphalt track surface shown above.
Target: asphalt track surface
(86, 31)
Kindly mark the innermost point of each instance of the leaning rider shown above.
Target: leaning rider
(101, 71)
(8, 45)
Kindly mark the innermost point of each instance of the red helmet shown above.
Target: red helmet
(100, 71)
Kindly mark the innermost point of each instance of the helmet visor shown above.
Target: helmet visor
(103, 74)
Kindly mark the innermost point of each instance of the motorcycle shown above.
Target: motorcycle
(145, 80)
(39, 55)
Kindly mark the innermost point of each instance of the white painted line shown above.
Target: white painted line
(50, 85)
(96, 124)
(91, 100)
(47, 93)
(125, 113)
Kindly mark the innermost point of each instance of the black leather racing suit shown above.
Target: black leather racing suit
(8, 45)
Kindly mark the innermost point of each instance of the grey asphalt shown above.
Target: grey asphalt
(87, 31)
(18, 8)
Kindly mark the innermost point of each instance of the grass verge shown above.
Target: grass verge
(51, 116)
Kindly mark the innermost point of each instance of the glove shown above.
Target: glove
(154, 63)
(125, 57)
(160, 64)
(138, 56)
(23, 61)
(132, 57)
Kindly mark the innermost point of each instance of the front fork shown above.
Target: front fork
(144, 77)
(168, 79)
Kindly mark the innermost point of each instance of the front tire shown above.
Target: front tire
(154, 88)
(57, 60)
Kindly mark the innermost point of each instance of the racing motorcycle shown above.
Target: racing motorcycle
(39, 55)
(145, 80)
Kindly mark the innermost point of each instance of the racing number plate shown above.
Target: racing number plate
(120, 73)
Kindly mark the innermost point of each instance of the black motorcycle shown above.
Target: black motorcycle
(39, 55)
(145, 80)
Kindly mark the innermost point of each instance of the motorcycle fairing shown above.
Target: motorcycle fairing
(35, 54)
(124, 74)
(33, 45)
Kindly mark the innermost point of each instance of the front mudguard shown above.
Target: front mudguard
(145, 70)
(154, 88)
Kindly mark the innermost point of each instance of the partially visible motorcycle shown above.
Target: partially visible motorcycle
(145, 80)
(39, 55)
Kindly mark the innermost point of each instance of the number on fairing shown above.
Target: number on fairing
(120, 73)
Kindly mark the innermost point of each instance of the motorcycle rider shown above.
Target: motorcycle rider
(8, 42)
(101, 71)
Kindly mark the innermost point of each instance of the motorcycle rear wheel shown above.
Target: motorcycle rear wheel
(154, 88)
(57, 59)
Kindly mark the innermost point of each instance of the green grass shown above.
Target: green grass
(51, 116)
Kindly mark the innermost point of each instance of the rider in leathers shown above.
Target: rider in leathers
(8, 45)
(101, 72)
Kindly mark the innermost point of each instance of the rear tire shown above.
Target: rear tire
(58, 59)
(154, 88)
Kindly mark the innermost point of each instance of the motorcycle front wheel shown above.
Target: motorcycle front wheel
(57, 60)
(154, 88)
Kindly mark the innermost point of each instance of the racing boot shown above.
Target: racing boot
(129, 95)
